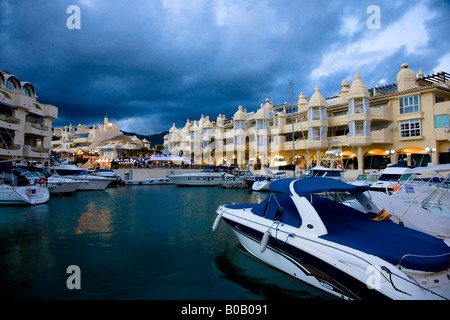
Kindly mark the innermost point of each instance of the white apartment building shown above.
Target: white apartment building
(407, 120)
(25, 123)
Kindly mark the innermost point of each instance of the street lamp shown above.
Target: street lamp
(430, 151)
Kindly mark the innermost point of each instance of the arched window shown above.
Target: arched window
(11, 84)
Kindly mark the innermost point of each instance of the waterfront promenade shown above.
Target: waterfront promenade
(162, 172)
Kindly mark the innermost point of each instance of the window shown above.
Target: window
(359, 128)
(441, 121)
(410, 128)
(409, 104)
(314, 113)
(438, 99)
(358, 105)
(10, 84)
(317, 134)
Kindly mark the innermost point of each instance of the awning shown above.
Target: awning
(37, 115)
(170, 158)
(4, 104)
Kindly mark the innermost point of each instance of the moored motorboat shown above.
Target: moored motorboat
(210, 176)
(88, 182)
(109, 174)
(57, 185)
(149, 181)
(391, 177)
(340, 250)
(16, 189)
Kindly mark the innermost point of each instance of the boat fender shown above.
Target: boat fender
(264, 241)
(42, 181)
(216, 222)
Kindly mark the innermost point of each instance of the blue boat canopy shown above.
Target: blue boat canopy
(304, 186)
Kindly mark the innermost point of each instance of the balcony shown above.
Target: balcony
(360, 141)
(442, 134)
(10, 150)
(9, 122)
(318, 144)
(382, 113)
(382, 136)
(35, 152)
(37, 129)
(359, 117)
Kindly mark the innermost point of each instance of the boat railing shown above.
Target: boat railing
(428, 203)
(408, 255)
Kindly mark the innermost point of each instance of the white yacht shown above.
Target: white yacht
(88, 182)
(390, 177)
(149, 181)
(421, 202)
(16, 189)
(57, 185)
(210, 176)
(340, 250)
(107, 173)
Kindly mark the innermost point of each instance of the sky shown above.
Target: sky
(147, 64)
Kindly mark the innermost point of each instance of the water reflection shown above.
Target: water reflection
(95, 219)
(237, 265)
(24, 247)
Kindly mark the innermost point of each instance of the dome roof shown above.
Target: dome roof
(358, 89)
(302, 99)
(195, 127)
(406, 78)
(187, 126)
(406, 73)
(207, 124)
(173, 129)
(317, 99)
(260, 113)
(302, 102)
(239, 115)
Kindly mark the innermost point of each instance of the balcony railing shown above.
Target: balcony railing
(10, 146)
(9, 118)
(39, 126)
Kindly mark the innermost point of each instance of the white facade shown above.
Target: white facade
(25, 123)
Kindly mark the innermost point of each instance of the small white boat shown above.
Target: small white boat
(107, 173)
(210, 176)
(348, 253)
(149, 181)
(262, 183)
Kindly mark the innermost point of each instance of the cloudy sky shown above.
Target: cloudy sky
(150, 63)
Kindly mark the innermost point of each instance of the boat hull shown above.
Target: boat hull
(90, 183)
(198, 180)
(303, 266)
(150, 181)
(339, 270)
(30, 195)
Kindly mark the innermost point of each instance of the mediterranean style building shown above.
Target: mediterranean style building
(105, 141)
(404, 122)
(25, 123)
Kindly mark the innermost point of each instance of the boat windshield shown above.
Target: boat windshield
(368, 177)
(394, 177)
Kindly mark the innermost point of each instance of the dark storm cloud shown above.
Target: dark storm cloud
(147, 64)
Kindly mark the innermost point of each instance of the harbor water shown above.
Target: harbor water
(135, 242)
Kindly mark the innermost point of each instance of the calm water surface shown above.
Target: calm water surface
(135, 242)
